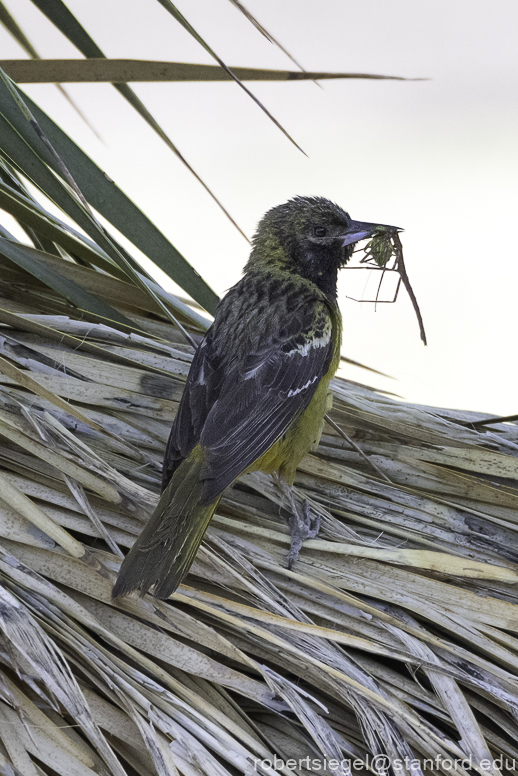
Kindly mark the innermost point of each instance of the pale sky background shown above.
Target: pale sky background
(438, 158)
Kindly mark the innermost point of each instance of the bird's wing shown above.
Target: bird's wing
(199, 394)
(264, 389)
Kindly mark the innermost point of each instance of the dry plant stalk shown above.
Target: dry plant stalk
(395, 633)
(385, 247)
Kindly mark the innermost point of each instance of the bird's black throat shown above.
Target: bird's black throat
(320, 264)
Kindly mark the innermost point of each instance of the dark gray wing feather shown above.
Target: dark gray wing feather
(247, 385)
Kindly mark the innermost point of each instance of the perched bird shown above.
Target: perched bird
(258, 386)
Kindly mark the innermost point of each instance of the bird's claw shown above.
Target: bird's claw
(303, 525)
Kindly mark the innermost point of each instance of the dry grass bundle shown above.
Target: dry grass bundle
(393, 635)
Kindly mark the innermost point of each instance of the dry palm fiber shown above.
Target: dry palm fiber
(394, 634)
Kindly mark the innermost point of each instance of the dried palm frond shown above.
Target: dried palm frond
(393, 635)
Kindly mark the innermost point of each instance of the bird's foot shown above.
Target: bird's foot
(303, 522)
(303, 525)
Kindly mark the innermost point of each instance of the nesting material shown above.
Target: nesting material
(384, 252)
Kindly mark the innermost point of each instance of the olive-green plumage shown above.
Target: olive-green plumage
(258, 387)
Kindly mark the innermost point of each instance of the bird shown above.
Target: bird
(257, 389)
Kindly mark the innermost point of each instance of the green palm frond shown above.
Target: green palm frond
(23, 148)
(98, 70)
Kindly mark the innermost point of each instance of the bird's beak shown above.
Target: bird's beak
(359, 230)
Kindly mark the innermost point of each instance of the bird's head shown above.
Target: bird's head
(310, 236)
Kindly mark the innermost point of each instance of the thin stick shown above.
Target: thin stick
(399, 267)
(357, 448)
(406, 282)
(489, 421)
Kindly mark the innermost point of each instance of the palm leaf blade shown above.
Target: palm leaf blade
(125, 70)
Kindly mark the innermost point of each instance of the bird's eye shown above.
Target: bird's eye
(319, 231)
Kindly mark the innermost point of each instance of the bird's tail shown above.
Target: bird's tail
(165, 550)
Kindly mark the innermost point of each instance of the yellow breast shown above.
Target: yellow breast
(304, 433)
